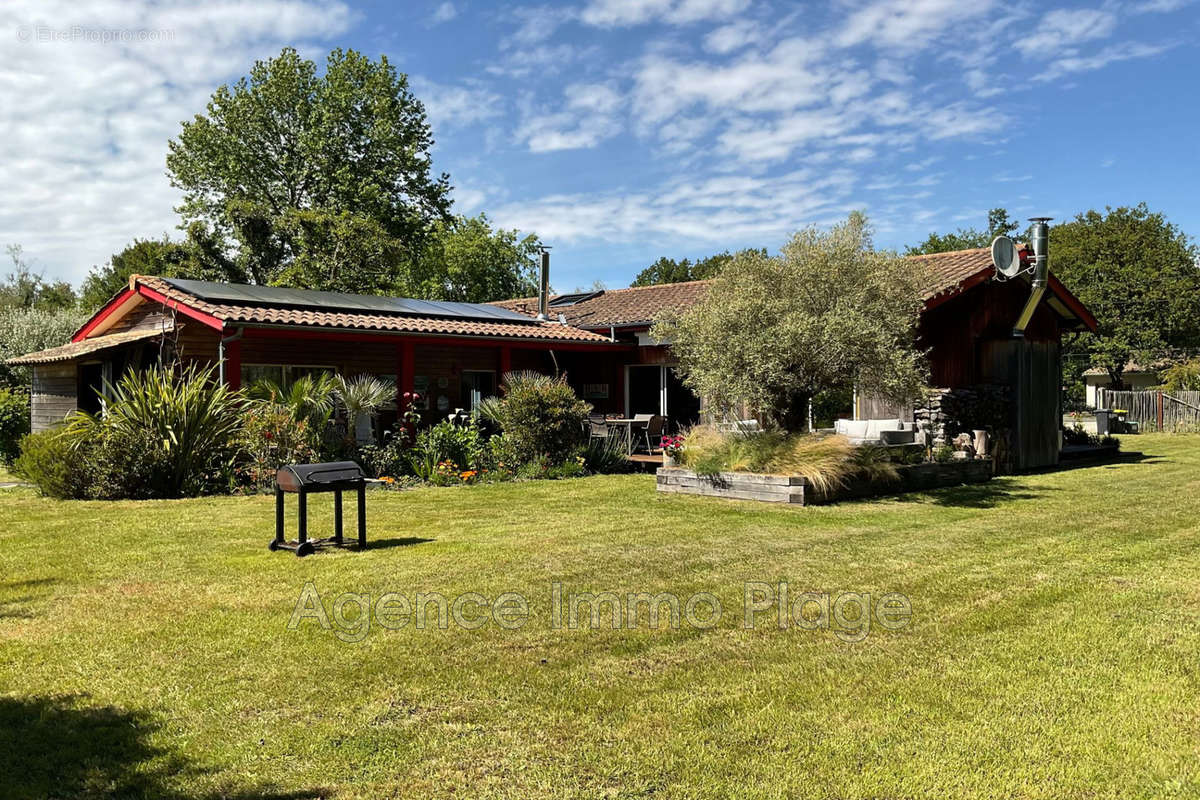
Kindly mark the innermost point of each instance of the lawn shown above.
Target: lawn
(1053, 649)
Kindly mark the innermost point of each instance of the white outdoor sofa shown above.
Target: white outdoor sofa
(876, 431)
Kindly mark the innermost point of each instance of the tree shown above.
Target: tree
(350, 146)
(23, 288)
(1184, 377)
(829, 311)
(466, 260)
(161, 257)
(27, 330)
(668, 270)
(1136, 272)
(966, 238)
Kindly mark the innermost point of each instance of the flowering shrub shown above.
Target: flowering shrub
(271, 437)
(672, 446)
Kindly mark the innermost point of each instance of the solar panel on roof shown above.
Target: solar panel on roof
(571, 299)
(339, 301)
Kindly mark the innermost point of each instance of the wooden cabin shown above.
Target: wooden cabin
(454, 354)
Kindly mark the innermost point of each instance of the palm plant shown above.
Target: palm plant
(309, 397)
(363, 396)
(192, 416)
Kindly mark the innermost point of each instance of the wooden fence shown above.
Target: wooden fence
(1155, 410)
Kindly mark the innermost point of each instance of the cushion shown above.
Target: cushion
(876, 426)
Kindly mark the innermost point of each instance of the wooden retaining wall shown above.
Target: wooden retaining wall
(794, 490)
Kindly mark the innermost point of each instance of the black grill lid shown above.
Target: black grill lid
(294, 476)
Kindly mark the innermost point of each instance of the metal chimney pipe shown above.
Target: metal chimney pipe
(1040, 239)
(544, 286)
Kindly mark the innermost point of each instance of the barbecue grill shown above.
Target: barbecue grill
(306, 479)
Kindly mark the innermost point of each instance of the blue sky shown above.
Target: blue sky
(620, 131)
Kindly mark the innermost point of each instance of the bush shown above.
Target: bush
(27, 330)
(49, 462)
(602, 456)
(540, 416)
(270, 438)
(14, 423)
(447, 448)
(193, 419)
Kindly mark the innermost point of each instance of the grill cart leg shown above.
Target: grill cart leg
(337, 517)
(274, 545)
(362, 516)
(303, 546)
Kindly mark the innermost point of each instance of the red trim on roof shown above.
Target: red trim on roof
(183, 308)
(106, 311)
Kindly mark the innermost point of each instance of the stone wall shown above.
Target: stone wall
(795, 490)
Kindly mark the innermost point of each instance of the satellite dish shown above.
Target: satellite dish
(1005, 258)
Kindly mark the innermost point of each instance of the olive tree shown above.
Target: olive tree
(828, 311)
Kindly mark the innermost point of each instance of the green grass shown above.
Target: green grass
(1053, 650)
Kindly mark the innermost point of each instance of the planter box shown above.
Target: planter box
(794, 490)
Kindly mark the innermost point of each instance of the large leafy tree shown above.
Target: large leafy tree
(1137, 273)
(288, 170)
(161, 257)
(966, 238)
(828, 311)
(468, 261)
(668, 270)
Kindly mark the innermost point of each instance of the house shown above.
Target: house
(966, 327)
(1135, 377)
(454, 353)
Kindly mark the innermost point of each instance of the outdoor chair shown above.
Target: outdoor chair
(597, 428)
(653, 432)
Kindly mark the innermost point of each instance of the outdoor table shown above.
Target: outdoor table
(628, 425)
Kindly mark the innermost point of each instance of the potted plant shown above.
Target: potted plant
(672, 446)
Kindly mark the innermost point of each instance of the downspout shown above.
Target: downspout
(1041, 272)
(221, 351)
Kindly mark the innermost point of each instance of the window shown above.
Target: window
(284, 375)
(474, 386)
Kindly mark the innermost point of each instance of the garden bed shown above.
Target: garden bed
(796, 490)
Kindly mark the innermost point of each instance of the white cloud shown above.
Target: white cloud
(444, 13)
(1064, 28)
(719, 209)
(625, 13)
(1122, 51)
(93, 92)
(598, 97)
(537, 24)
(456, 106)
(588, 114)
(907, 24)
(734, 36)
(1157, 6)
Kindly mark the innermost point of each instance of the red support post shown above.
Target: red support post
(407, 374)
(1160, 412)
(505, 363)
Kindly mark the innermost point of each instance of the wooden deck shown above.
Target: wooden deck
(644, 462)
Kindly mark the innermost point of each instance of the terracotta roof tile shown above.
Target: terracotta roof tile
(368, 321)
(638, 305)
